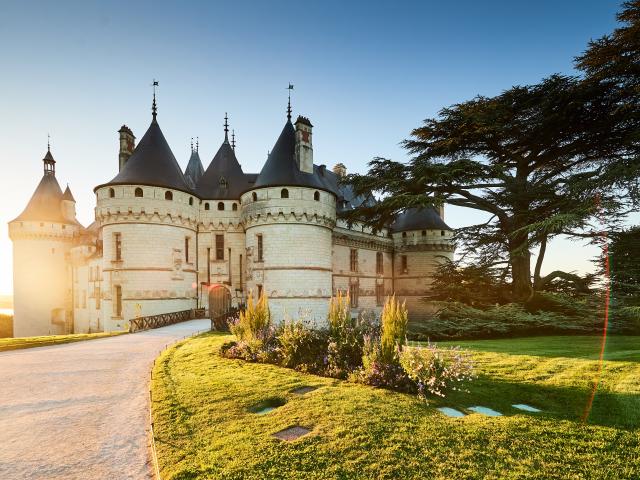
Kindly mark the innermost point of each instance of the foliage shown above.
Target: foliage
(301, 347)
(437, 371)
(623, 257)
(380, 371)
(346, 337)
(393, 335)
(203, 420)
(254, 322)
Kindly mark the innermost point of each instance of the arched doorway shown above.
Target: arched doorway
(219, 302)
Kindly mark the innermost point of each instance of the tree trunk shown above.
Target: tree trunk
(520, 258)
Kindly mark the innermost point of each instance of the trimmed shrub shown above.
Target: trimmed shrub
(435, 371)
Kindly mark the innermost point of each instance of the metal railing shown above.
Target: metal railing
(220, 322)
(164, 319)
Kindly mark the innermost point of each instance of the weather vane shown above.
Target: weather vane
(48, 142)
(290, 87)
(154, 108)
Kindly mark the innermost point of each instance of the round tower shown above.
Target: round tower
(42, 236)
(422, 241)
(148, 217)
(289, 215)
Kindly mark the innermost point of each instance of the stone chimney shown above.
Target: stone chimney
(340, 170)
(304, 147)
(127, 144)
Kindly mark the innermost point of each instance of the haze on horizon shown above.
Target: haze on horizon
(365, 73)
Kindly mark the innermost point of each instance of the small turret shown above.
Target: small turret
(68, 205)
(127, 145)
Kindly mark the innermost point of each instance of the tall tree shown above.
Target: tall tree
(539, 161)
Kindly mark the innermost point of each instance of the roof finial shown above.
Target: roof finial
(154, 108)
(290, 87)
(197, 144)
(226, 128)
(191, 144)
(233, 140)
(48, 142)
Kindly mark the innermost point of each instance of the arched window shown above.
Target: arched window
(220, 205)
(206, 206)
(254, 196)
(316, 196)
(190, 200)
(234, 207)
(112, 193)
(424, 233)
(139, 192)
(404, 234)
(442, 232)
(284, 193)
(168, 195)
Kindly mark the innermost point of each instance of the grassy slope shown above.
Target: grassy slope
(44, 341)
(204, 428)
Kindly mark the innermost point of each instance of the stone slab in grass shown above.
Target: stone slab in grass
(485, 411)
(291, 433)
(267, 406)
(303, 390)
(451, 412)
(526, 408)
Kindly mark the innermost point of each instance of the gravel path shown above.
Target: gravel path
(80, 410)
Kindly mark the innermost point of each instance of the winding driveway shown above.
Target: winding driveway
(80, 410)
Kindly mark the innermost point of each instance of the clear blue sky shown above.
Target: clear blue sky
(365, 73)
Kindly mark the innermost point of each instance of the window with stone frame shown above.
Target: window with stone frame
(379, 263)
(219, 247)
(353, 294)
(96, 294)
(404, 264)
(380, 295)
(186, 249)
(117, 241)
(353, 259)
(260, 241)
(117, 304)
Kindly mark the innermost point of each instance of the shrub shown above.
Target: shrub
(255, 333)
(435, 371)
(301, 347)
(346, 337)
(377, 372)
(393, 321)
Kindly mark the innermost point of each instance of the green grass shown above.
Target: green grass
(45, 341)
(205, 428)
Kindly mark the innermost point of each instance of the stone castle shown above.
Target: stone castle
(164, 240)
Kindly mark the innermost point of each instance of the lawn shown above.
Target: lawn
(205, 428)
(45, 341)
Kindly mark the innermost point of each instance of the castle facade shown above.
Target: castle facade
(164, 240)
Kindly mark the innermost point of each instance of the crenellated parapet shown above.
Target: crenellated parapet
(33, 230)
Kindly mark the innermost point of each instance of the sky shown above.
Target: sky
(365, 73)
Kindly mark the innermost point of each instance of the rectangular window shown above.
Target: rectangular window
(260, 248)
(380, 295)
(379, 263)
(118, 303)
(186, 249)
(353, 294)
(353, 257)
(219, 247)
(118, 245)
(405, 267)
(96, 293)
(241, 272)
(208, 265)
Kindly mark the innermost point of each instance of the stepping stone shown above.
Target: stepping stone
(485, 411)
(525, 407)
(292, 433)
(303, 390)
(267, 406)
(264, 410)
(451, 412)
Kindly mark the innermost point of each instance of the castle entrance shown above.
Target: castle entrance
(219, 305)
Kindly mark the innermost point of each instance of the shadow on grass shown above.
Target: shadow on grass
(621, 410)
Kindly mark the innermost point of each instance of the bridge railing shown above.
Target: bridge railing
(164, 319)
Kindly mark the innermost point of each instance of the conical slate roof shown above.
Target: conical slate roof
(67, 195)
(194, 170)
(419, 219)
(224, 178)
(281, 168)
(151, 163)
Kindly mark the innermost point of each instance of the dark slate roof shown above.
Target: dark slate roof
(44, 205)
(281, 168)
(224, 178)
(151, 163)
(67, 195)
(194, 170)
(419, 219)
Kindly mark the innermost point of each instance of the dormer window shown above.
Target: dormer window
(138, 192)
(168, 195)
(284, 193)
(223, 183)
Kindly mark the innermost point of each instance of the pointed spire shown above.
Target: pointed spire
(48, 143)
(48, 161)
(233, 140)
(154, 108)
(191, 144)
(290, 87)
(197, 144)
(226, 128)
